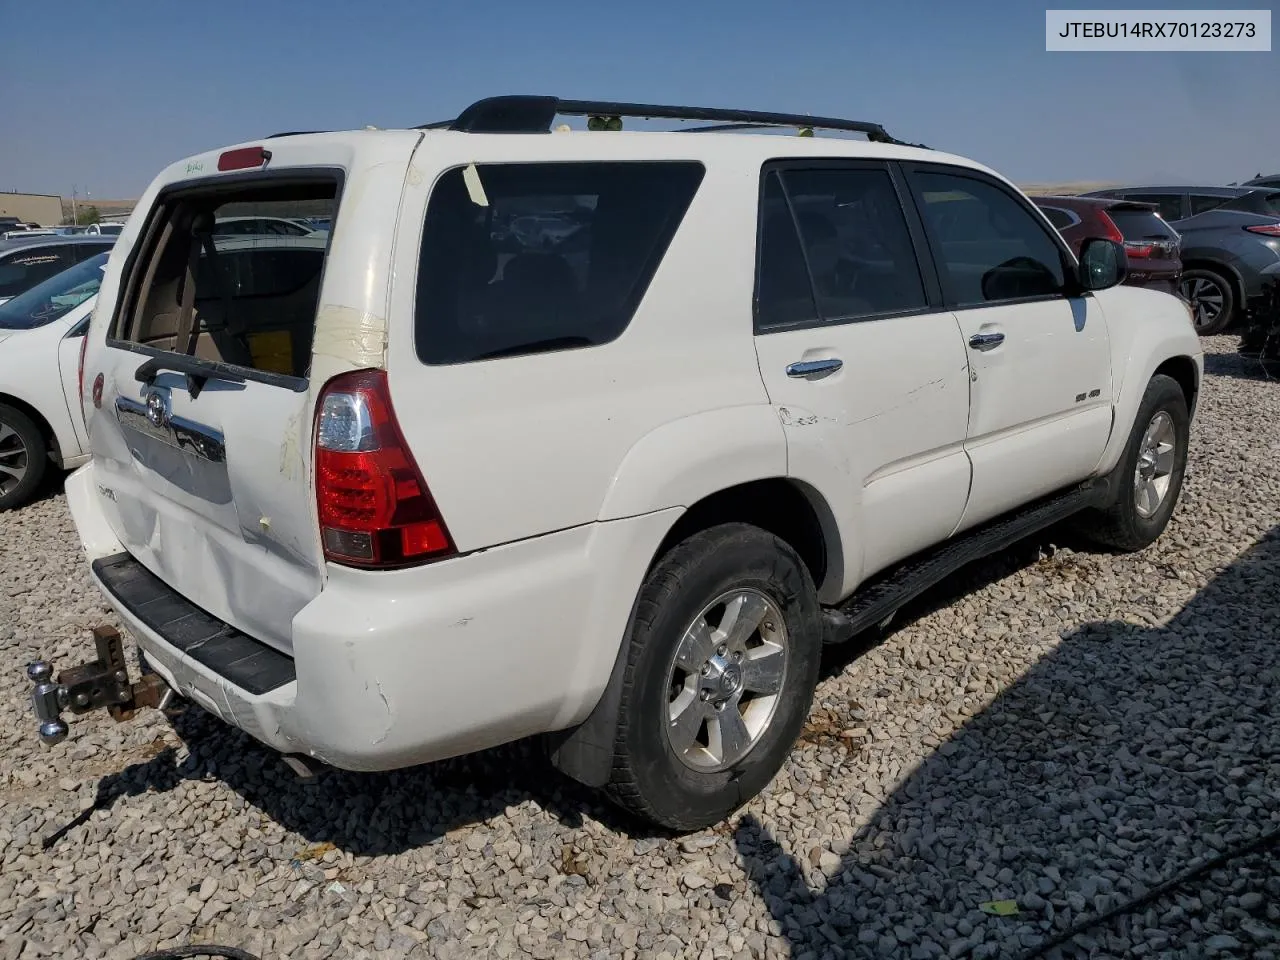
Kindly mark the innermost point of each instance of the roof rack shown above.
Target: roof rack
(534, 114)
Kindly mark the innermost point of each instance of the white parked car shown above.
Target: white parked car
(41, 335)
(416, 492)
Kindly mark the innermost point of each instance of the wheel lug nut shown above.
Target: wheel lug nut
(737, 655)
(706, 669)
(706, 694)
(768, 624)
(722, 650)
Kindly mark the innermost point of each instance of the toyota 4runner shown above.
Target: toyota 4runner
(591, 434)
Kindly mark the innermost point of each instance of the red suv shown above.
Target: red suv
(1152, 245)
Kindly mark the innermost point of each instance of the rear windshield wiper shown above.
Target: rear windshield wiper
(198, 372)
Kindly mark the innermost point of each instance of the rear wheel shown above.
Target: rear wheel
(1212, 299)
(1148, 478)
(23, 458)
(722, 664)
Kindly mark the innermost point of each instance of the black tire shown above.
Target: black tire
(648, 777)
(16, 428)
(1219, 287)
(1121, 526)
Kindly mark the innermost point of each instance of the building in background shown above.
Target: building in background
(40, 208)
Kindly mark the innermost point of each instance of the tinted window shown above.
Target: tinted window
(988, 246)
(1059, 218)
(1141, 225)
(1169, 204)
(784, 294)
(22, 270)
(1203, 203)
(526, 257)
(1269, 203)
(856, 242)
(54, 297)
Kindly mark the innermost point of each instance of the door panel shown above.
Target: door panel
(1040, 400)
(877, 417)
(1040, 390)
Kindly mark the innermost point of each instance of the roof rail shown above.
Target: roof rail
(535, 114)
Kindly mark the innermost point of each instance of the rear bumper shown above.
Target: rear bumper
(396, 668)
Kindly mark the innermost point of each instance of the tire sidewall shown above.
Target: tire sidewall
(742, 557)
(37, 458)
(1228, 299)
(1163, 393)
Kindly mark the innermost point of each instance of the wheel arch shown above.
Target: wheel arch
(787, 508)
(50, 436)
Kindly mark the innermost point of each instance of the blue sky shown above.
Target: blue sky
(147, 82)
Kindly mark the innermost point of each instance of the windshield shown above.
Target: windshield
(47, 301)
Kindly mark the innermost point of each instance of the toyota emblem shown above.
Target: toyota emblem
(156, 412)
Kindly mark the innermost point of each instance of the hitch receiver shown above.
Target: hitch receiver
(103, 682)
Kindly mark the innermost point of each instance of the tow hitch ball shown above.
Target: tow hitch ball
(103, 682)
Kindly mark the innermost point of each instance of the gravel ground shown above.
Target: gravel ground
(1060, 728)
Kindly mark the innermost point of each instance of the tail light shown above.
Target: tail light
(84, 342)
(374, 507)
(1266, 229)
(1137, 249)
(1109, 228)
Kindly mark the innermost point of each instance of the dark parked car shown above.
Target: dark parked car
(1230, 244)
(1272, 181)
(1151, 244)
(26, 262)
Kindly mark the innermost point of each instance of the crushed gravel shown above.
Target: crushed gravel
(1056, 727)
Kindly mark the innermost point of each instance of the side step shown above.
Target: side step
(882, 595)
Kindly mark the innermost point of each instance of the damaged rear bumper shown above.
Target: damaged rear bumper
(395, 668)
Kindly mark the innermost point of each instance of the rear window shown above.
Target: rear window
(246, 298)
(55, 297)
(530, 257)
(1059, 217)
(1141, 225)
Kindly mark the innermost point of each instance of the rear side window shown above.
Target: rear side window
(246, 299)
(1141, 225)
(530, 257)
(1203, 203)
(1059, 217)
(854, 248)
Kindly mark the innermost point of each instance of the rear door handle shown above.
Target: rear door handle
(806, 368)
(982, 341)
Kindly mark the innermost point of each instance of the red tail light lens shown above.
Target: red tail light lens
(1111, 231)
(374, 507)
(84, 342)
(1136, 249)
(1266, 229)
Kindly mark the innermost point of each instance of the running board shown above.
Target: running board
(883, 595)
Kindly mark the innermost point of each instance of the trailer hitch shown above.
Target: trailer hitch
(103, 682)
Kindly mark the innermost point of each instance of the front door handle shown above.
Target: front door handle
(806, 368)
(983, 341)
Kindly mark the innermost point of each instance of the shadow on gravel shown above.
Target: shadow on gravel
(1108, 767)
(1242, 368)
(365, 814)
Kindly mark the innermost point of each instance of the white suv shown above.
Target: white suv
(592, 434)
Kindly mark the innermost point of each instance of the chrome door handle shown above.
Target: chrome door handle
(980, 341)
(805, 368)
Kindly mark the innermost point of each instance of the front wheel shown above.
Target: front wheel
(722, 664)
(1149, 475)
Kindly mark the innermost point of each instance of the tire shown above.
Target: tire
(23, 458)
(689, 789)
(1129, 523)
(1212, 298)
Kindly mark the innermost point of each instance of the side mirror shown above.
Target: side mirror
(1103, 263)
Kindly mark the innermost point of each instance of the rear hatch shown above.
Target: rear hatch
(1153, 247)
(202, 436)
